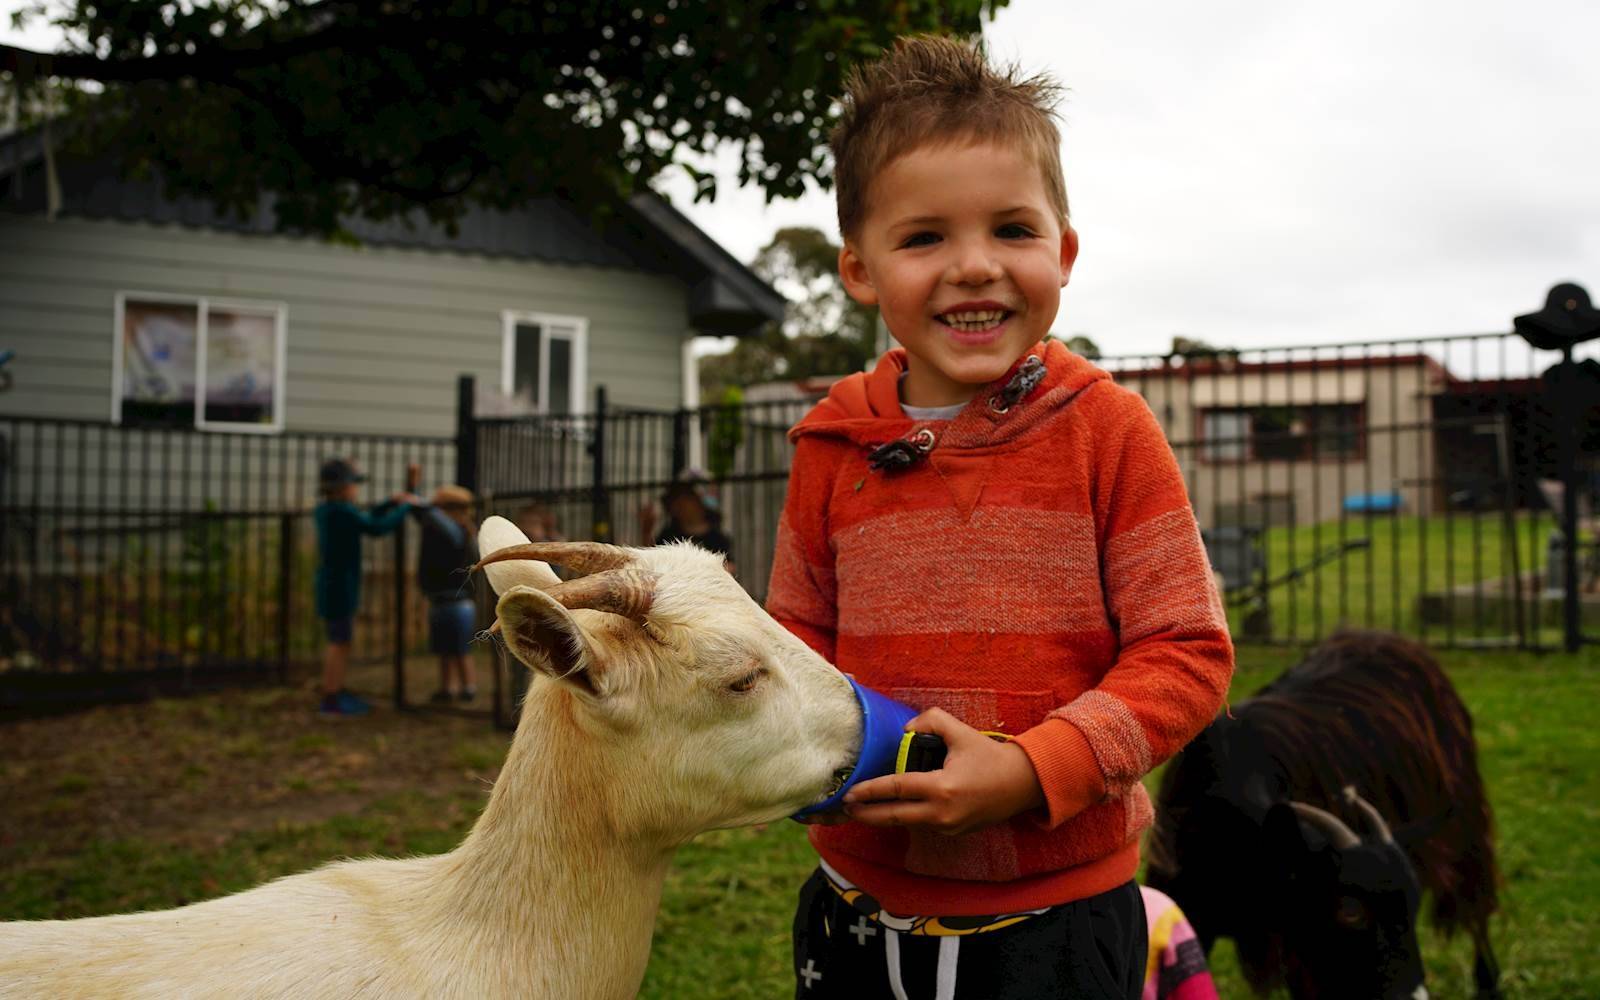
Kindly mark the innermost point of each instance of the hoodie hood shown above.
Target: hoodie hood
(864, 408)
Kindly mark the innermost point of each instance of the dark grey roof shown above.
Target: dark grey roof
(647, 233)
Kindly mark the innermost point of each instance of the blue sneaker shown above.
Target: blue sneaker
(343, 704)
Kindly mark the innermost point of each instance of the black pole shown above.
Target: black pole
(680, 441)
(1568, 406)
(285, 591)
(600, 507)
(466, 433)
(400, 617)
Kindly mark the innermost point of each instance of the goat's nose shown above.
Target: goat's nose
(1420, 993)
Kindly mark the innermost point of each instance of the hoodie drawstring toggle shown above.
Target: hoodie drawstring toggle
(1023, 382)
(902, 453)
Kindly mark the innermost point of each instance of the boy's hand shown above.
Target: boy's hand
(983, 782)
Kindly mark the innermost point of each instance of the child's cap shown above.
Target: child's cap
(339, 471)
(451, 495)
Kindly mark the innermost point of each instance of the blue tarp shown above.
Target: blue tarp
(1372, 503)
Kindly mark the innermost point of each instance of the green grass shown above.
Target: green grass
(723, 930)
(1407, 557)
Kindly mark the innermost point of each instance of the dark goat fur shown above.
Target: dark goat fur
(1364, 709)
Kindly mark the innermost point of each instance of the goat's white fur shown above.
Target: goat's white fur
(553, 893)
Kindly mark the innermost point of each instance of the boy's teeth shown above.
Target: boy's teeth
(976, 320)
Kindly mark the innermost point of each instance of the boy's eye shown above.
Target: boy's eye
(1013, 231)
(919, 240)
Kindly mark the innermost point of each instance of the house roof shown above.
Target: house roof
(644, 233)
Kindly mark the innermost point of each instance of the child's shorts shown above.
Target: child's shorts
(451, 625)
(340, 629)
(1093, 947)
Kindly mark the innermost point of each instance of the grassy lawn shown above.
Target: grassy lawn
(161, 804)
(1378, 586)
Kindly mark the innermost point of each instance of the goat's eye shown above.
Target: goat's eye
(746, 682)
(1351, 914)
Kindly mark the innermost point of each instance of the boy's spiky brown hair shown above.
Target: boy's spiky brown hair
(930, 89)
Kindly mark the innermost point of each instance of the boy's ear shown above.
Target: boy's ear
(1069, 252)
(853, 272)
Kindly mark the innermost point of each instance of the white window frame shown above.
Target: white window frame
(547, 322)
(203, 305)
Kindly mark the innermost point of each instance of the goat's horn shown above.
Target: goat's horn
(583, 557)
(626, 592)
(1374, 817)
(1341, 836)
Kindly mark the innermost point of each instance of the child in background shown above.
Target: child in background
(340, 525)
(692, 516)
(449, 546)
(988, 528)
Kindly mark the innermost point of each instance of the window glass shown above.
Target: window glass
(525, 383)
(1226, 434)
(158, 362)
(241, 366)
(560, 397)
(1277, 433)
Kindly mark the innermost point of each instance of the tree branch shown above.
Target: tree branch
(214, 63)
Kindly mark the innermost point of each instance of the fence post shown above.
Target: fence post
(600, 505)
(285, 591)
(1570, 409)
(466, 433)
(680, 441)
(400, 617)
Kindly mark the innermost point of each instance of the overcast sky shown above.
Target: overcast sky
(1255, 173)
(1258, 174)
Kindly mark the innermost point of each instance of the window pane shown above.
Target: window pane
(1225, 435)
(560, 375)
(158, 351)
(241, 366)
(525, 364)
(1337, 430)
(1277, 433)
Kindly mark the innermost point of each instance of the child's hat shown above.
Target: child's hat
(451, 495)
(339, 471)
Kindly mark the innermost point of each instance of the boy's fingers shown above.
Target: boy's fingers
(912, 785)
(947, 727)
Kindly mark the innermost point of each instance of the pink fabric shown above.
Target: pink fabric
(1177, 967)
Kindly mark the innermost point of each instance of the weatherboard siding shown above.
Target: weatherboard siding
(375, 336)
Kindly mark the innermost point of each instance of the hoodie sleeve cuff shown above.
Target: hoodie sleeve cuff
(1068, 772)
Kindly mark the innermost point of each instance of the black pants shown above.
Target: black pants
(1095, 948)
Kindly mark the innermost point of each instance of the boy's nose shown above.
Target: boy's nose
(973, 265)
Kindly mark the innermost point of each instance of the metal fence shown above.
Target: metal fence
(1408, 485)
(1404, 485)
(135, 560)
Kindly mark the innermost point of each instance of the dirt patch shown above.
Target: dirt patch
(199, 770)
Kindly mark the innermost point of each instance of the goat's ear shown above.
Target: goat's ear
(542, 634)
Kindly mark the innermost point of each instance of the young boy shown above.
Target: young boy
(449, 547)
(340, 525)
(988, 528)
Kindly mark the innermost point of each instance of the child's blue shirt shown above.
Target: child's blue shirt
(340, 525)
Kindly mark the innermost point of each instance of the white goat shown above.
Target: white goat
(670, 706)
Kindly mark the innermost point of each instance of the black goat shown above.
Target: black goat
(1249, 842)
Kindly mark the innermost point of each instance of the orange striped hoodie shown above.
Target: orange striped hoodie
(1034, 569)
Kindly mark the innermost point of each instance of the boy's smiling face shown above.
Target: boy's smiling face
(964, 254)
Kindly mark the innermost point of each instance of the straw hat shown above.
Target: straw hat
(451, 495)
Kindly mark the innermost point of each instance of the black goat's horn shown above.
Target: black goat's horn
(1374, 817)
(584, 557)
(1341, 836)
